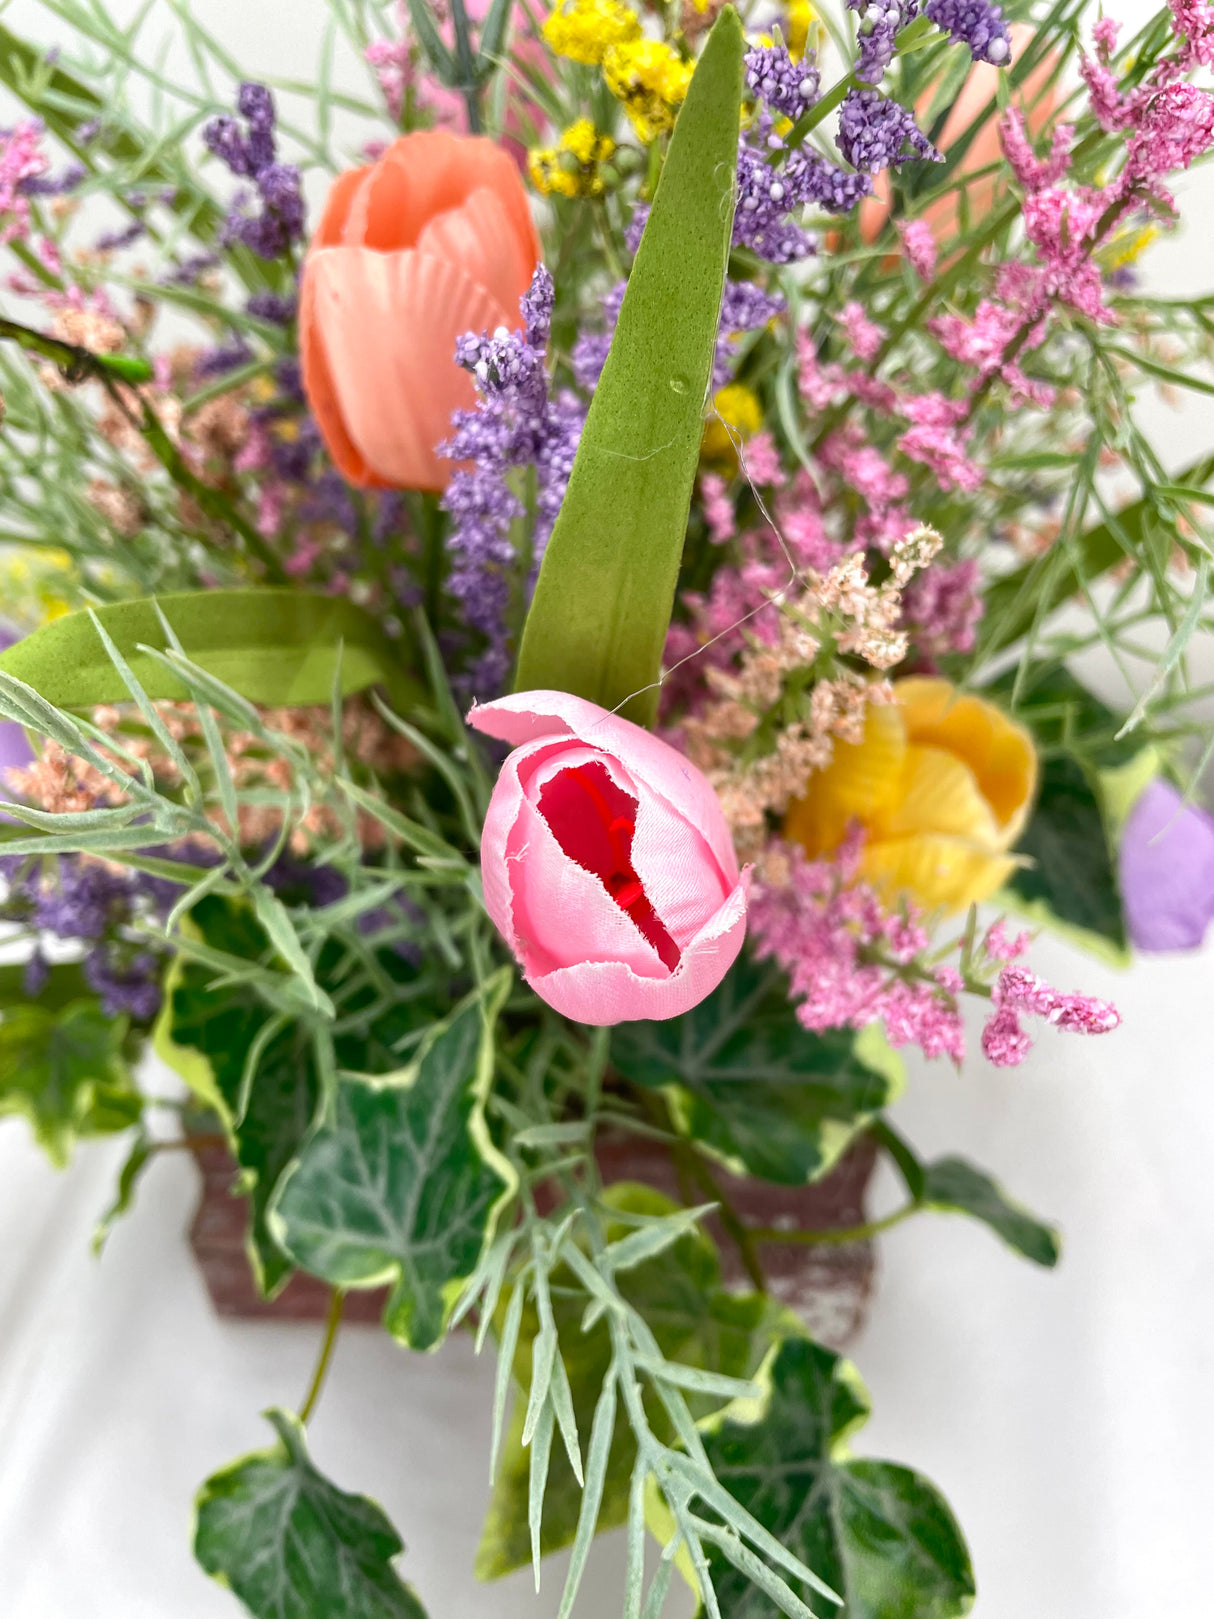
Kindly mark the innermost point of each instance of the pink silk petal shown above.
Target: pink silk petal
(322, 393)
(388, 323)
(526, 716)
(678, 871)
(607, 992)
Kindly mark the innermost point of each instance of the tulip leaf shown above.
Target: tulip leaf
(275, 647)
(598, 621)
(291, 1545)
(954, 1186)
(64, 1071)
(748, 1084)
(696, 1323)
(880, 1534)
(400, 1184)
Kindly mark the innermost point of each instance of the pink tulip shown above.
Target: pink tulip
(606, 862)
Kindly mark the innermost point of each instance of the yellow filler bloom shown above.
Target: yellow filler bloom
(942, 784)
(585, 30)
(651, 80)
(570, 169)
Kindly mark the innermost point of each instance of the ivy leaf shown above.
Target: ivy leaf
(277, 647)
(953, 1185)
(1071, 883)
(598, 619)
(291, 1545)
(880, 1534)
(747, 1083)
(696, 1323)
(64, 1070)
(207, 1032)
(401, 1183)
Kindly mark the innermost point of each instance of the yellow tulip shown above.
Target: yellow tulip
(941, 784)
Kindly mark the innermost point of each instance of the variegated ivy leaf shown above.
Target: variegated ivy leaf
(291, 1545)
(400, 1185)
(697, 1325)
(747, 1083)
(64, 1070)
(880, 1534)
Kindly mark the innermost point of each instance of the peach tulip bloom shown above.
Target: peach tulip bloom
(434, 240)
(606, 862)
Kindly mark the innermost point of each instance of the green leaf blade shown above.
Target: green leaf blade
(279, 648)
(291, 1545)
(598, 621)
(954, 1186)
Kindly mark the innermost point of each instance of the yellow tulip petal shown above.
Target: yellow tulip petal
(939, 794)
(861, 778)
(998, 751)
(934, 871)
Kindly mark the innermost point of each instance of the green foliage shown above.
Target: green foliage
(1071, 877)
(276, 647)
(291, 1545)
(64, 1070)
(695, 1323)
(746, 1081)
(881, 1534)
(1069, 880)
(953, 1185)
(400, 1183)
(598, 620)
(257, 1070)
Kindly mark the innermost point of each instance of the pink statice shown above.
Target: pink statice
(761, 461)
(1193, 20)
(21, 159)
(1031, 171)
(1175, 126)
(392, 61)
(1018, 993)
(864, 335)
(849, 960)
(820, 385)
(942, 608)
(718, 508)
(919, 245)
(980, 342)
(938, 438)
(997, 946)
(800, 521)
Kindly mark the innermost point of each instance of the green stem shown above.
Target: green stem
(837, 1235)
(742, 1235)
(467, 87)
(76, 363)
(336, 1305)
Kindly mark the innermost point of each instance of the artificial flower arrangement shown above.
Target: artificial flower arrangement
(547, 670)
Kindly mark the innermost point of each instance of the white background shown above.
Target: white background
(1067, 1416)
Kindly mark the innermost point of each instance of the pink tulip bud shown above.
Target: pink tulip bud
(606, 862)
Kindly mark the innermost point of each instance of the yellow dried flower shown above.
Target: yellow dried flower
(586, 29)
(800, 19)
(651, 80)
(737, 407)
(570, 169)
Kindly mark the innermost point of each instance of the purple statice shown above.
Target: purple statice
(251, 154)
(85, 902)
(783, 85)
(52, 185)
(765, 199)
(636, 226)
(218, 361)
(190, 270)
(979, 24)
(745, 307)
(114, 241)
(270, 306)
(589, 354)
(127, 981)
(515, 424)
(835, 190)
(878, 133)
(880, 23)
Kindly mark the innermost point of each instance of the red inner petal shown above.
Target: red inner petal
(593, 821)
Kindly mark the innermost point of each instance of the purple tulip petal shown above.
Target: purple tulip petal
(1167, 871)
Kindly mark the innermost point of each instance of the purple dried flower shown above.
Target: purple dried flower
(269, 306)
(52, 185)
(785, 86)
(636, 227)
(880, 23)
(114, 241)
(875, 132)
(215, 362)
(189, 270)
(834, 189)
(127, 982)
(224, 137)
(979, 24)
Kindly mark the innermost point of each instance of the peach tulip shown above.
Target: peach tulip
(606, 862)
(941, 784)
(434, 240)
